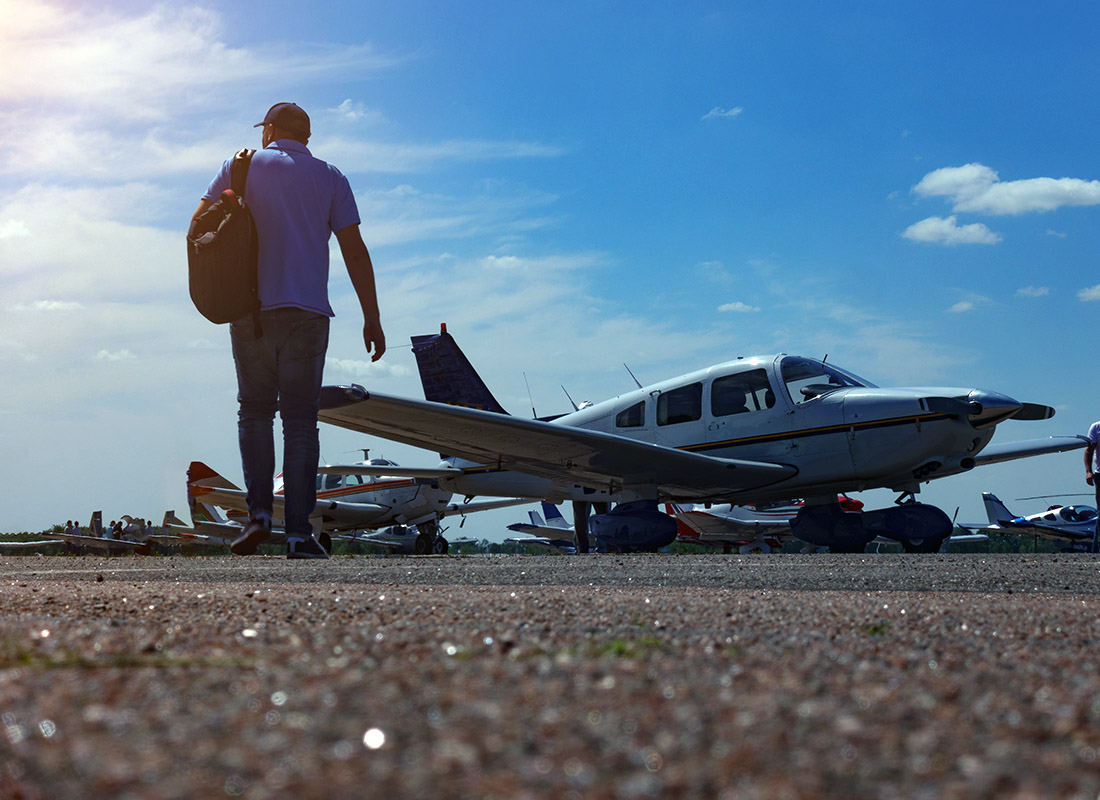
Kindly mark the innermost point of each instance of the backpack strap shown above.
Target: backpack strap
(238, 171)
(238, 179)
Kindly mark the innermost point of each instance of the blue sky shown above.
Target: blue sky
(910, 188)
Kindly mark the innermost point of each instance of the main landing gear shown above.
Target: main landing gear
(918, 527)
(429, 540)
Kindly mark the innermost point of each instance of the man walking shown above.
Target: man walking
(298, 201)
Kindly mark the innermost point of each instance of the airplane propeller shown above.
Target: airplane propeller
(985, 409)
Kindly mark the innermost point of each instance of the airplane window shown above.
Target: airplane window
(320, 480)
(1085, 514)
(745, 391)
(807, 378)
(680, 405)
(633, 417)
(353, 480)
(332, 481)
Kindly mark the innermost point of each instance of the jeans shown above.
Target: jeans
(281, 371)
(1096, 531)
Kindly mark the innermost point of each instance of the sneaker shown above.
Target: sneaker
(304, 548)
(255, 533)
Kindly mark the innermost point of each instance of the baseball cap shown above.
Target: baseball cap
(287, 116)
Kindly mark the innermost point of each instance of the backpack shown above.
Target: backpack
(222, 250)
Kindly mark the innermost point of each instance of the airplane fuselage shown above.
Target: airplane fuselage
(840, 432)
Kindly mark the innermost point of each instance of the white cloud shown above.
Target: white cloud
(48, 306)
(961, 307)
(1089, 294)
(737, 307)
(355, 369)
(13, 228)
(1033, 291)
(976, 188)
(118, 355)
(947, 231)
(1056, 234)
(723, 113)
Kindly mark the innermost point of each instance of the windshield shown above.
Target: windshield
(807, 378)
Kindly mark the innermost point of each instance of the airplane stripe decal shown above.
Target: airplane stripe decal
(771, 437)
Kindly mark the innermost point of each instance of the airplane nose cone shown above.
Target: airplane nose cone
(989, 408)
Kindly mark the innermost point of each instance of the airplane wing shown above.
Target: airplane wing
(1008, 451)
(550, 543)
(1054, 532)
(390, 472)
(537, 530)
(713, 525)
(332, 511)
(560, 452)
(486, 505)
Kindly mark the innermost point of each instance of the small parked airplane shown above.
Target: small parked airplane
(402, 539)
(751, 430)
(553, 532)
(363, 496)
(1074, 524)
(134, 540)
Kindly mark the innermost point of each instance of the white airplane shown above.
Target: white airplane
(752, 430)
(1074, 524)
(553, 532)
(403, 539)
(363, 496)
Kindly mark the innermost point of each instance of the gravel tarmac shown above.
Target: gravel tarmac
(632, 676)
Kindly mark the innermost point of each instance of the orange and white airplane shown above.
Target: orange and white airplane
(366, 495)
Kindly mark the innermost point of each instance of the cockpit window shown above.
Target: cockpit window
(680, 405)
(633, 417)
(807, 378)
(740, 393)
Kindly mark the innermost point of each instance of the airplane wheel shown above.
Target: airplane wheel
(423, 544)
(325, 541)
(441, 546)
(930, 545)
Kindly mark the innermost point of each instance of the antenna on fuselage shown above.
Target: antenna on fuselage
(633, 376)
(529, 397)
(575, 406)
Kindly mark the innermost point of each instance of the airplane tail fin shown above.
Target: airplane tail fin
(995, 509)
(170, 519)
(199, 475)
(447, 375)
(536, 519)
(554, 519)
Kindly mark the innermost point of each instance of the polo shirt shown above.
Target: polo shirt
(298, 201)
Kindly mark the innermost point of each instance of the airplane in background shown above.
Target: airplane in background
(134, 541)
(751, 430)
(1074, 524)
(402, 539)
(363, 496)
(764, 528)
(553, 532)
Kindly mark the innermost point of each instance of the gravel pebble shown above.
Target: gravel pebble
(711, 676)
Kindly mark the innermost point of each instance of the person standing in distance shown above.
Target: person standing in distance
(1092, 466)
(298, 201)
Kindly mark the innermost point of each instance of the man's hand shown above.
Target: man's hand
(373, 337)
(361, 272)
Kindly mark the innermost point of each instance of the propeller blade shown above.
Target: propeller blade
(1034, 411)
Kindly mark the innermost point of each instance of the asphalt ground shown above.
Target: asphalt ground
(695, 676)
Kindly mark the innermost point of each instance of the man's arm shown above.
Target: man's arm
(361, 272)
(203, 205)
(1090, 448)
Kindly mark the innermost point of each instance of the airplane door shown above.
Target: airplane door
(747, 418)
